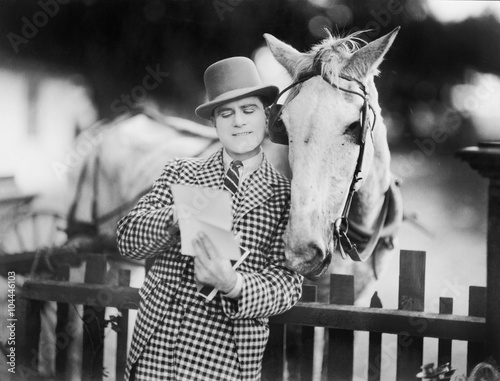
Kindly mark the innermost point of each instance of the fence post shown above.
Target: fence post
(411, 298)
(477, 307)
(485, 158)
(340, 341)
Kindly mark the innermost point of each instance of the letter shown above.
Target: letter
(200, 201)
(419, 322)
(438, 135)
(27, 24)
(471, 103)
(126, 100)
(142, 93)
(383, 17)
(374, 30)
(50, 7)
(416, 157)
(157, 75)
(221, 8)
(146, 85)
(104, 297)
(62, 340)
(394, 7)
(83, 148)
(40, 22)
(60, 170)
(404, 339)
(427, 146)
(452, 120)
(16, 40)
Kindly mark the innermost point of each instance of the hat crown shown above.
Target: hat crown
(230, 74)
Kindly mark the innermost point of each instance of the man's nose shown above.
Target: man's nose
(239, 119)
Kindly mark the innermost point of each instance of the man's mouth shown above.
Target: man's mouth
(242, 133)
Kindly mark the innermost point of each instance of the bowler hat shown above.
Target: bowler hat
(232, 79)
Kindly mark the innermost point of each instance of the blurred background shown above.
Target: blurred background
(65, 65)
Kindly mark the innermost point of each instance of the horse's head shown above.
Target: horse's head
(322, 115)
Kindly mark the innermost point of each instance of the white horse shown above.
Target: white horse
(337, 141)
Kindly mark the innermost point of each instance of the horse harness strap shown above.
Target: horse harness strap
(340, 227)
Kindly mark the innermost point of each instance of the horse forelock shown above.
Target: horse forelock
(333, 55)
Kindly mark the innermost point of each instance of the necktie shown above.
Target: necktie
(232, 177)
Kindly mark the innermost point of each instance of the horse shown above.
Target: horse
(343, 195)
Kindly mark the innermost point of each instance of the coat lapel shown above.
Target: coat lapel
(258, 189)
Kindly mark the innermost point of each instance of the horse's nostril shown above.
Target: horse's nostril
(315, 250)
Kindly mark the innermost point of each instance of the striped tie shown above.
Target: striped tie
(232, 177)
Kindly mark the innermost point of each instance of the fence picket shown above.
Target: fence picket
(374, 346)
(62, 337)
(93, 321)
(28, 325)
(121, 340)
(411, 298)
(477, 308)
(341, 342)
(444, 345)
(273, 361)
(299, 344)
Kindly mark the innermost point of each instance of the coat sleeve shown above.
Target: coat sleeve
(144, 232)
(270, 291)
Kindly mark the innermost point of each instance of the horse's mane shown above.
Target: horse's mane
(333, 53)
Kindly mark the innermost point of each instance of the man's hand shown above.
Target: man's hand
(209, 268)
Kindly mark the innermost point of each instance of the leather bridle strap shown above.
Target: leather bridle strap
(351, 249)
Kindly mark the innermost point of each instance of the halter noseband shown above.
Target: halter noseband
(278, 134)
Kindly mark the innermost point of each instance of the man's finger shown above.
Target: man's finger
(199, 249)
(208, 246)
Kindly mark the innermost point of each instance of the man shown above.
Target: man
(178, 334)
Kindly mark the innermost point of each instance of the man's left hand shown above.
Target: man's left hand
(209, 268)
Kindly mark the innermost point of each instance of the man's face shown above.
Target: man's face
(241, 126)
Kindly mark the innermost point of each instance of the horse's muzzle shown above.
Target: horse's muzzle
(311, 261)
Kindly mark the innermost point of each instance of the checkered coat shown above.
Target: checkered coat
(180, 336)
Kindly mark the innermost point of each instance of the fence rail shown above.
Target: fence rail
(291, 342)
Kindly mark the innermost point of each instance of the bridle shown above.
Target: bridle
(340, 227)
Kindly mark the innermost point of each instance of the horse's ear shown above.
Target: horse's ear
(284, 53)
(366, 60)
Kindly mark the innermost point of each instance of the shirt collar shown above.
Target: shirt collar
(249, 165)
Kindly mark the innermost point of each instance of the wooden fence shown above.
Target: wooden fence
(292, 333)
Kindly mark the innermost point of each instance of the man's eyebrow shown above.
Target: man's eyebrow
(249, 105)
(222, 109)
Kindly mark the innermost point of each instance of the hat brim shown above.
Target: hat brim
(268, 92)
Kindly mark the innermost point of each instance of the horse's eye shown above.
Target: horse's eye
(353, 127)
(354, 131)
